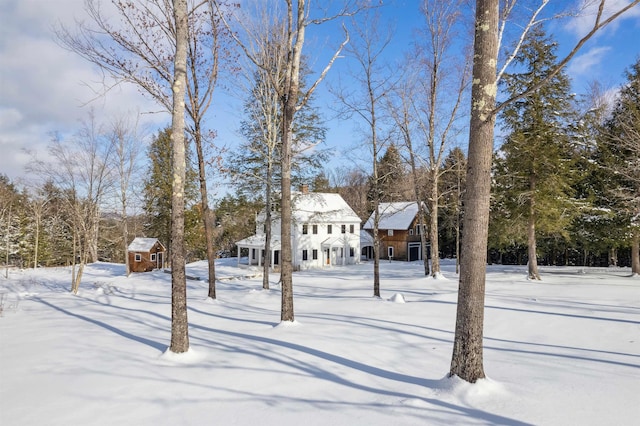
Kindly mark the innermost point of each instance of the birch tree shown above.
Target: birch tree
(81, 168)
(467, 357)
(365, 99)
(295, 18)
(126, 142)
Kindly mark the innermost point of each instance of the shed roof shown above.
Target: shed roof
(398, 215)
(143, 244)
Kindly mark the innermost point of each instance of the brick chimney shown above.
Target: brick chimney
(304, 188)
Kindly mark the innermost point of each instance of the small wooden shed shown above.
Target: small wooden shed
(145, 254)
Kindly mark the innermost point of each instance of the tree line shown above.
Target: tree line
(532, 185)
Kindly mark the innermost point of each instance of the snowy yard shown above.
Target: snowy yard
(564, 351)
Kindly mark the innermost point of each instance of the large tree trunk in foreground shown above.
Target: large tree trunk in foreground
(467, 359)
(286, 267)
(179, 322)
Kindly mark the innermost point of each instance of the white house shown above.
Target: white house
(325, 232)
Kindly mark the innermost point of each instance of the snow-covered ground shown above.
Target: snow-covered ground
(564, 351)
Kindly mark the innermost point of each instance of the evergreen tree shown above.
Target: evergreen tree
(533, 170)
(596, 232)
(392, 180)
(620, 146)
(236, 220)
(451, 186)
(158, 187)
(257, 160)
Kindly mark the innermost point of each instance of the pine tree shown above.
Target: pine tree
(392, 177)
(451, 186)
(620, 146)
(533, 170)
(157, 189)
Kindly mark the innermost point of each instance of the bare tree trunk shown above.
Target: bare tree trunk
(404, 124)
(37, 242)
(458, 208)
(73, 261)
(532, 250)
(613, 256)
(179, 321)
(6, 272)
(635, 252)
(208, 218)
(376, 248)
(467, 358)
(267, 227)
(532, 264)
(433, 225)
(286, 267)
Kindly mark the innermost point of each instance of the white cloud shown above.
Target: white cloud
(45, 88)
(587, 12)
(584, 64)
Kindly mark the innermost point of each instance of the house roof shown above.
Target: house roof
(258, 241)
(317, 207)
(143, 244)
(366, 239)
(397, 215)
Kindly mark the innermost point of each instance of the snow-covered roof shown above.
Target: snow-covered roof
(142, 244)
(258, 241)
(398, 215)
(318, 207)
(366, 239)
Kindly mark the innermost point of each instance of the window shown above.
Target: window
(351, 252)
(314, 254)
(329, 229)
(153, 257)
(341, 251)
(305, 229)
(305, 255)
(138, 257)
(390, 232)
(410, 231)
(351, 229)
(390, 251)
(343, 229)
(315, 229)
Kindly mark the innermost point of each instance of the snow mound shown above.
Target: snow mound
(186, 358)
(470, 392)
(287, 324)
(397, 298)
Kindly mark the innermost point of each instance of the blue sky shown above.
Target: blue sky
(45, 89)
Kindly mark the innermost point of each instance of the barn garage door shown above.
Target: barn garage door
(414, 252)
